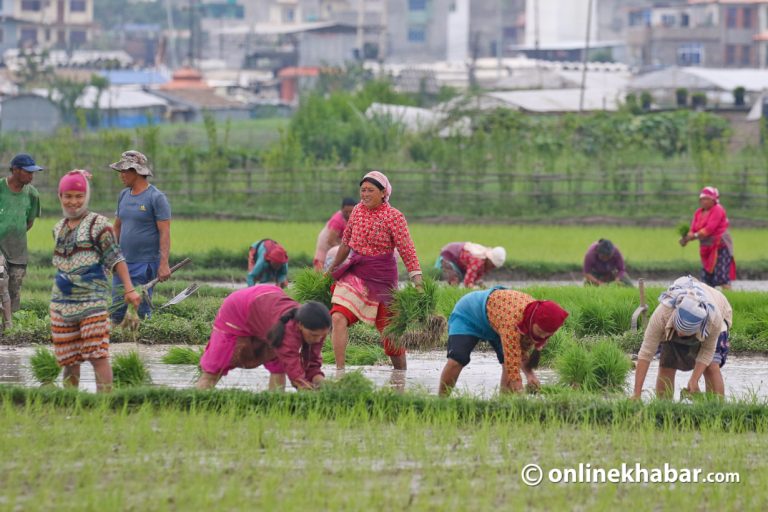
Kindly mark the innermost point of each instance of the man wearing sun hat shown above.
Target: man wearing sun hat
(142, 226)
(691, 324)
(467, 262)
(19, 207)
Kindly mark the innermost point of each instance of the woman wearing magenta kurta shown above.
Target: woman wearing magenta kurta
(261, 324)
(710, 228)
(364, 282)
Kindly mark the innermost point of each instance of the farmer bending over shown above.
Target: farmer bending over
(515, 324)
(261, 324)
(691, 324)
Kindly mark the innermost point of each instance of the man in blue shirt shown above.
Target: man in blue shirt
(142, 226)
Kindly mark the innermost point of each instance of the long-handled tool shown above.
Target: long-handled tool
(186, 292)
(151, 284)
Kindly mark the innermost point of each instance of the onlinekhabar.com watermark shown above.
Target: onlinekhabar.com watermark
(532, 475)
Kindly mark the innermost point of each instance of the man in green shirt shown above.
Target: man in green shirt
(19, 206)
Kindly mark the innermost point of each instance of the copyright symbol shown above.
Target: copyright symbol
(532, 475)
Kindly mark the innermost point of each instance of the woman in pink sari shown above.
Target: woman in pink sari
(365, 281)
(262, 325)
(710, 227)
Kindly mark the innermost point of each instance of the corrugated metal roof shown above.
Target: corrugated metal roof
(558, 100)
(695, 78)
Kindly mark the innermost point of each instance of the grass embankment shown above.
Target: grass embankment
(595, 313)
(538, 251)
(358, 449)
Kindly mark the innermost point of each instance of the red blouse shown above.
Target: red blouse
(380, 231)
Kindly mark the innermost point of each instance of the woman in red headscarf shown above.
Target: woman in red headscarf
(515, 324)
(710, 227)
(267, 263)
(365, 281)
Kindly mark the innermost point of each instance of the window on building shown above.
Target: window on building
(28, 35)
(641, 18)
(417, 5)
(2, 34)
(289, 15)
(730, 54)
(746, 55)
(685, 19)
(730, 17)
(668, 20)
(77, 6)
(690, 54)
(747, 17)
(417, 34)
(77, 37)
(30, 5)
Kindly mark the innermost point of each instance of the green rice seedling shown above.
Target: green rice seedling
(309, 284)
(411, 310)
(554, 346)
(44, 366)
(183, 355)
(351, 384)
(358, 354)
(595, 319)
(610, 366)
(682, 229)
(129, 370)
(574, 367)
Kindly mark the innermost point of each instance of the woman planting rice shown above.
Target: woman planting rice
(267, 263)
(330, 235)
(364, 283)
(515, 324)
(85, 246)
(261, 324)
(467, 262)
(710, 227)
(691, 324)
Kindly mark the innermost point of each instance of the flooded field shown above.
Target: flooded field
(744, 376)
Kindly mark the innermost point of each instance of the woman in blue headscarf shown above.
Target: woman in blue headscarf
(691, 325)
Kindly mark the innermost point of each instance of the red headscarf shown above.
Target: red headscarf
(548, 315)
(276, 254)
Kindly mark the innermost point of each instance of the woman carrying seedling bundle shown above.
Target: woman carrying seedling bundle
(467, 262)
(262, 324)
(85, 247)
(710, 228)
(515, 324)
(364, 283)
(691, 324)
(330, 235)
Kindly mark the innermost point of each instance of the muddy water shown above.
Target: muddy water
(744, 376)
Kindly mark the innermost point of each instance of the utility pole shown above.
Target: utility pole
(586, 57)
(172, 50)
(536, 32)
(360, 23)
(500, 40)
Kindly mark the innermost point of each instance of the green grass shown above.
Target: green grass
(524, 243)
(351, 448)
(183, 355)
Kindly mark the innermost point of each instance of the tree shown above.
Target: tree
(100, 83)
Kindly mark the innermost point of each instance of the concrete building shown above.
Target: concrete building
(65, 24)
(709, 33)
(434, 30)
(29, 113)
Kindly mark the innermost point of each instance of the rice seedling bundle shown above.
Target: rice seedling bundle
(682, 229)
(610, 366)
(574, 366)
(594, 318)
(129, 370)
(44, 366)
(414, 322)
(309, 284)
(600, 366)
(183, 355)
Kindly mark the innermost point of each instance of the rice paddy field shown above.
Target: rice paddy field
(358, 444)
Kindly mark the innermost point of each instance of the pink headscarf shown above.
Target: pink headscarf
(382, 180)
(77, 180)
(711, 193)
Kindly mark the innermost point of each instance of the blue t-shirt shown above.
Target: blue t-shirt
(469, 317)
(139, 214)
(262, 270)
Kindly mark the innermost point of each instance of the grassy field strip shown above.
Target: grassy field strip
(370, 452)
(555, 244)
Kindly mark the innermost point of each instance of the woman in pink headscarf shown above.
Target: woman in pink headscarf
(365, 281)
(86, 248)
(710, 227)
